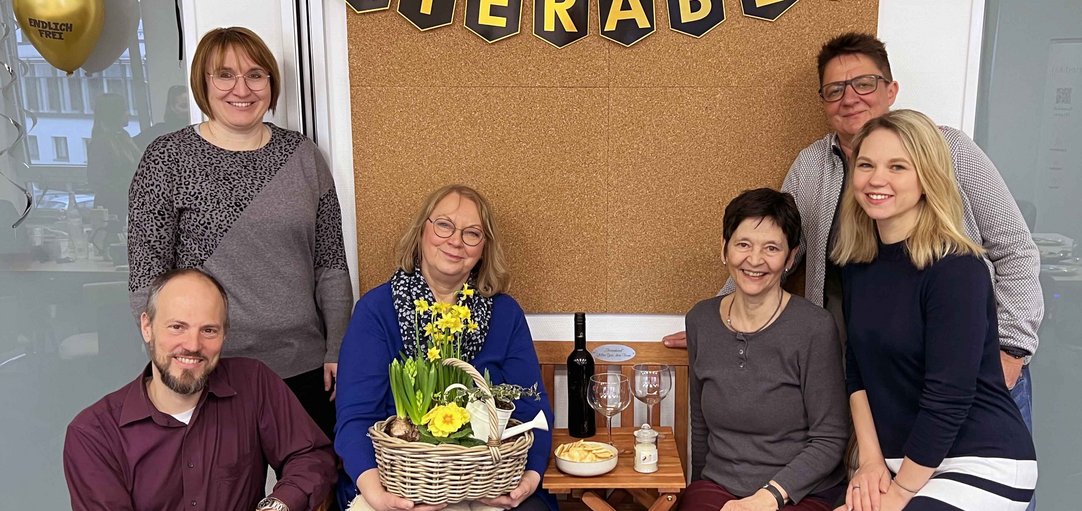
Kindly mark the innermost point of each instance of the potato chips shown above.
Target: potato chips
(583, 451)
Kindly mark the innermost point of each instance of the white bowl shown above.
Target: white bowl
(589, 468)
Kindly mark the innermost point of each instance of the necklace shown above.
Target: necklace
(729, 319)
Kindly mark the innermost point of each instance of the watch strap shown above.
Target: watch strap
(776, 493)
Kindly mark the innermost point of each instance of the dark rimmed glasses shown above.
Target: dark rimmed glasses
(224, 80)
(862, 85)
(445, 228)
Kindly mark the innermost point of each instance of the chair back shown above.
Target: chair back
(553, 355)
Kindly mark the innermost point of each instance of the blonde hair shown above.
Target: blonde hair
(210, 54)
(938, 231)
(490, 271)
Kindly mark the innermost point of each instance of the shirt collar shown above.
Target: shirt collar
(137, 405)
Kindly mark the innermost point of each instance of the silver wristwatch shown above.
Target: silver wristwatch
(272, 504)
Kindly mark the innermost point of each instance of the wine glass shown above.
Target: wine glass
(652, 384)
(609, 394)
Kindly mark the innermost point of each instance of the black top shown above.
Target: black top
(924, 345)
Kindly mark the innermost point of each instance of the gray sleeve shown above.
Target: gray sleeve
(152, 224)
(334, 293)
(699, 432)
(823, 385)
(1007, 243)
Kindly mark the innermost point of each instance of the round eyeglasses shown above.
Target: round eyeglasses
(225, 80)
(862, 85)
(445, 228)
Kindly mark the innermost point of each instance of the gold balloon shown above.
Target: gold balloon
(63, 31)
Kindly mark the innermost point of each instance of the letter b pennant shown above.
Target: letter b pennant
(695, 17)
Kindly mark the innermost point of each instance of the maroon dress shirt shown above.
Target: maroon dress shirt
(121, 453)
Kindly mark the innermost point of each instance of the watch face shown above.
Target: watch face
(272, 503)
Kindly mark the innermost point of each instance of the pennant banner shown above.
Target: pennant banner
(360, 6)
(427, 14)
(769, 10)
(493, 20)
(561, 22)
(695, 17)
(626, 21)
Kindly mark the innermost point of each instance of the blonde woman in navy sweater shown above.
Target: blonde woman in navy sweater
(935, 424)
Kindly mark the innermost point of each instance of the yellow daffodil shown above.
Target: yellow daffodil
(433, 354)
(472, 326)
(441, 308)
(466, 291)
(445, 419)
(421, 305)
(461, 311)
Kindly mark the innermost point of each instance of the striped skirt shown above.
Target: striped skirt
(971, 483)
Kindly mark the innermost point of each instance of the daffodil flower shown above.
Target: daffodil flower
(433, 354)
(466, 291)
(421, 305)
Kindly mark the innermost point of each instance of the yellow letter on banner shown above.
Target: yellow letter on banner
(426, 7)
(688, 16)
(485, 17)
(559, 8)
(636, 12)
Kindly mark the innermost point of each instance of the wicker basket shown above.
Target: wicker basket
(447, 473)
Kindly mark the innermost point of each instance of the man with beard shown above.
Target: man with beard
(194, 431)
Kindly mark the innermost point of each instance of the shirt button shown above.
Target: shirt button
(191, 465)
(193, 503)
(741, 351)
(741, 365)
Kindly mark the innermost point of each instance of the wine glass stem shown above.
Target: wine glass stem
(610, 430)
(650, 414)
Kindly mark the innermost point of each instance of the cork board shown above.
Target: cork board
(609, 167)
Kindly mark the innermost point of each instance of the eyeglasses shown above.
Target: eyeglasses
(862, 85)
(224, 80)
(445, 228)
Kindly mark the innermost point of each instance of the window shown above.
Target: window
(60, 148)
(32, 148)
(52, 85)
(75, 95)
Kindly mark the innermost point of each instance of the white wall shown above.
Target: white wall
(934, 48)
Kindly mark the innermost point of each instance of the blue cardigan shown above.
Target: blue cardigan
(373, 340)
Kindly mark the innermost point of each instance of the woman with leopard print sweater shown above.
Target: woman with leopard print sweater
(255, 206)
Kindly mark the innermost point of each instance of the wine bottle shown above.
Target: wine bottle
(580, 367)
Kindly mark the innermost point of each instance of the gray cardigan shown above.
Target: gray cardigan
(773, 407)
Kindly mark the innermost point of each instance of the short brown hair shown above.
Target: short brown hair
(159, 282)
(855, 43)
(210, 53)
(491, 270)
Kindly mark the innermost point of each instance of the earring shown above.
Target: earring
(787, 270)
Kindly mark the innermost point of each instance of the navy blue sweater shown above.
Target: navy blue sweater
(924, 345)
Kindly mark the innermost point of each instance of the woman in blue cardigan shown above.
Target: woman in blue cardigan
(453, 241)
